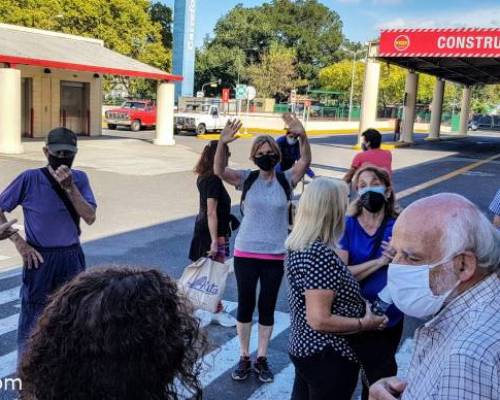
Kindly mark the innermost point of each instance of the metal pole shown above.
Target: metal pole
(246, 116)
(352, 86)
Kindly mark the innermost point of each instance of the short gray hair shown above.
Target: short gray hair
(470, 230)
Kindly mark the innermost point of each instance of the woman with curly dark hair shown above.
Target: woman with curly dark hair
(114, 334)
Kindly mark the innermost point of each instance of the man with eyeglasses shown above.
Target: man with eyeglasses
(54, 199)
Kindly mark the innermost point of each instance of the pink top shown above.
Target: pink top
(377, 157)
(258, 256)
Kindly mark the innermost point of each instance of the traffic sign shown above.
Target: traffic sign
(251, 93)
(293, 97)
(241, 92)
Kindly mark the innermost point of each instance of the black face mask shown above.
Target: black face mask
(267, 162)
(56, 162)
(373, 201)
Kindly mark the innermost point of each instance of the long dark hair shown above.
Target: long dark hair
(205, 165)
(114, 334)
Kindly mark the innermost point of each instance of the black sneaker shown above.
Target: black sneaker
(242, 370)
(263, 370)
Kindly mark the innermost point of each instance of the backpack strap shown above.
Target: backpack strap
(254, 175)
(284, 184)
(64, 198)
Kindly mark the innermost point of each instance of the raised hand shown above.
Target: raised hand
(295, 127)
(63, 176)
(229, 132)
(388, 252)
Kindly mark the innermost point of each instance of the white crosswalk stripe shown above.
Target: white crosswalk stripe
(218, 363)
(9, 295)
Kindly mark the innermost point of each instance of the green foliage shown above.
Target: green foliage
(134, 28)
(276, 75)
(308, 28)
(162, 14)
(338, 77)
(220, 62)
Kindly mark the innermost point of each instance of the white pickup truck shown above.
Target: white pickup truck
(200, 119)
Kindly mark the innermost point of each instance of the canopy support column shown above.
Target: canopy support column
(10, 111)
(411, 89)
(437, 109)
(464, 113)
(165, 114)
(370, 93)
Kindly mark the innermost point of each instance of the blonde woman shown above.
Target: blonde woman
(259, 249)
(325, 299)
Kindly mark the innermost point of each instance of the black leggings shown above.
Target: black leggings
(324, 376)
(250, 271)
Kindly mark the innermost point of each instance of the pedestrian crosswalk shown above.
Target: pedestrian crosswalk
(217, 364)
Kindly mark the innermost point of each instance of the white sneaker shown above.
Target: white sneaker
(224, 319)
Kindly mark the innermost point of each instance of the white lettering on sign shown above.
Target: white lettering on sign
(469, 42)
(192, 24)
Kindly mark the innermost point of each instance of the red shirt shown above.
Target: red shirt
(377, 157)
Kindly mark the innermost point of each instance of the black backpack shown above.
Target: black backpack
(280, 176)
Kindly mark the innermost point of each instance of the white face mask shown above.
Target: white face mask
(291, 140)
(409, 286)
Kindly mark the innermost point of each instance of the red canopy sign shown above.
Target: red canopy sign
(467, 42)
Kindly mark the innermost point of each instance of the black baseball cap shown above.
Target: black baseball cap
(61, 139)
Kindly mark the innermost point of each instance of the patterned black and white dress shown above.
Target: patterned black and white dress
(319, 267)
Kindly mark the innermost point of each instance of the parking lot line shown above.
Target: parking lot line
(443, 178)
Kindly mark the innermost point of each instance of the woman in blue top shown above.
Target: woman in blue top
(365, 250)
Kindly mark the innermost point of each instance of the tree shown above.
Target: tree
(308, 27)
(338, 77)
(275, 76)
(219, 62)
(125, 26)
(162, 14)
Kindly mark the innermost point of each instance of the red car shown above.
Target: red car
(135, 114)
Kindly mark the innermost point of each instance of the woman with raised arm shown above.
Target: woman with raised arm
(260, 244)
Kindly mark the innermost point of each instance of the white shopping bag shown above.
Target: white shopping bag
(204, 282)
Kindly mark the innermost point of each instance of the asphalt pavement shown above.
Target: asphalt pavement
(147, 216)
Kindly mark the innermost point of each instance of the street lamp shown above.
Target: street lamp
(212, 84)
(351, 95)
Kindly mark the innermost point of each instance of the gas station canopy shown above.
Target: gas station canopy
(467, 55)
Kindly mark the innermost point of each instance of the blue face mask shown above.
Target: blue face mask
(375, 189)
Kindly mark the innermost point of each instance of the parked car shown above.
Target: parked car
(485, 122)
(200, 119)
(136, 114)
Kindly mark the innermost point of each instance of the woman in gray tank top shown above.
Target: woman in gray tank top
(260, 244)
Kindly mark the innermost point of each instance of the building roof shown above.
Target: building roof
(464, 55)
(27, 46)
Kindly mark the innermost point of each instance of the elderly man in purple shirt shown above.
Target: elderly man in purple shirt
(53, 198)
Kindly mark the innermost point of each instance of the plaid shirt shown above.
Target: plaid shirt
(457, 353)
(495, 204)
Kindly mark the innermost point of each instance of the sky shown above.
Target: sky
(363, 19)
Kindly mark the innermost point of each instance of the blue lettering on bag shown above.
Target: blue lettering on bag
(202, 284)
